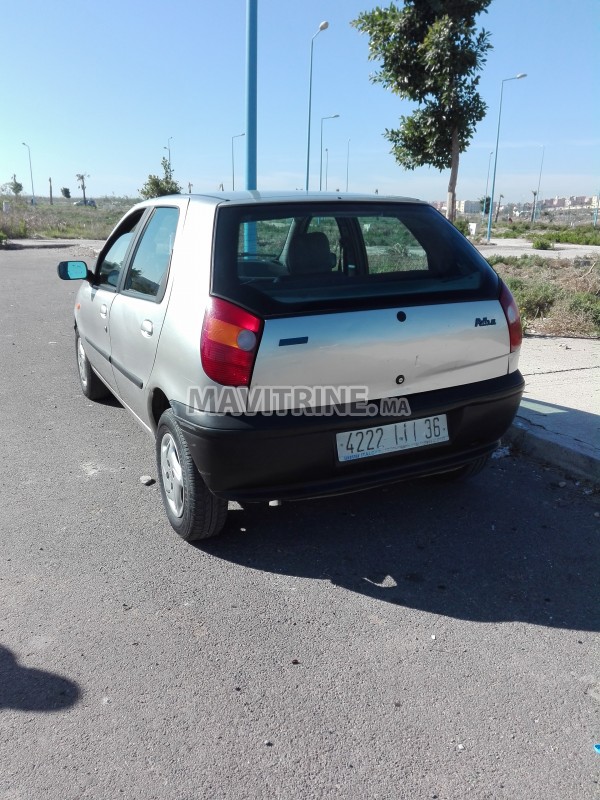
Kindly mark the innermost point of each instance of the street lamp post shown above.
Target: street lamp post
(333, 116)
(168, 149)
(326, 165)
(487, 182)
(323, 26)
(534, 193)
(536, 196)
(30, 173)
(347, 163)
(237, 136)
(514, 78)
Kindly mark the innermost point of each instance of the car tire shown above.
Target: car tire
(467, 471)
(91, 385)
(192, 509)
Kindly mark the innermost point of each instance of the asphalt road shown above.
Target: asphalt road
(424, 641)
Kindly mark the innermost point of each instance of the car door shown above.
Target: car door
(96, 298)
(138, 310)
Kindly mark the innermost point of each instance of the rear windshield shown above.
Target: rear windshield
(286, 258)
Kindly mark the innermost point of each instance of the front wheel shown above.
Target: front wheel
(91, 385)
(193, 511)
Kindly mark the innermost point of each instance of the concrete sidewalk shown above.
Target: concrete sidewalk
(523, 247)
(559, 418)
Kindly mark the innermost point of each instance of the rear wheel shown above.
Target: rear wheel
(91, 385)
(193, 511)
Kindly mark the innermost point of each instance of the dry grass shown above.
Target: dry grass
(556, 296)
(62, 220)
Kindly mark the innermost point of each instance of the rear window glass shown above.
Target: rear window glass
(283, 258)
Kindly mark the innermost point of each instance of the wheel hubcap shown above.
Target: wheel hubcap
(172, 477)
(81, 363)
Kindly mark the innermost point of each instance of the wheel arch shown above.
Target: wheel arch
(159, 404)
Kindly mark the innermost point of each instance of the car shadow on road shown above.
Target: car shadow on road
(484, 550)
(26, 689)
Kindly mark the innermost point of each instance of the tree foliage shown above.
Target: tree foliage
(81, 181)
(15, 187)
(430, 52)
(66, 193)
(158, 187)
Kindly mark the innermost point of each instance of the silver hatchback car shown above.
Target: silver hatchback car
(295, 346)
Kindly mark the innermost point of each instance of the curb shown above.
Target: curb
(572, 456)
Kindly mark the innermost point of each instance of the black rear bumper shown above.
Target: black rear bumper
(286, 457)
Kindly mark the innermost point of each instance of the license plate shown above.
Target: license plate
(391, 438)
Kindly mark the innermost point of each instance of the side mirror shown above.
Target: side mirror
(72, 270)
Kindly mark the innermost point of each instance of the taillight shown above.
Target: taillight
(511, 312)
(229, 342)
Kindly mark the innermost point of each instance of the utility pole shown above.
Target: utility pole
(50, 181)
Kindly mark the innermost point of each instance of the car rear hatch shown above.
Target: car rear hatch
(381, 352)
(360, 301)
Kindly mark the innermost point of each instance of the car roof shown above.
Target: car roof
(276, 197)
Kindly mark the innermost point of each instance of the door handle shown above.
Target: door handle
(103, 310)
(147, 327)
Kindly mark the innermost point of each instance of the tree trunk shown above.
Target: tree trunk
(451, 202)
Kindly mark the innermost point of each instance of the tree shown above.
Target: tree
(430, 52)
(66, 193)
(81, 181)
(498, 207)
(158, 187)
(15, 187)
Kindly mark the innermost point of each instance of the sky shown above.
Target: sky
(105, 88)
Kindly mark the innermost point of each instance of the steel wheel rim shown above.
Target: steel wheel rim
(172, 475)
(81, 358)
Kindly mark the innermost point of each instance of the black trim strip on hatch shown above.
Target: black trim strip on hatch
(297, 340)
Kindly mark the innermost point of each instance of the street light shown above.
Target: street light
(347, 163)
(487, 181)
(326, 165)
(534, 193)
(323, 26)
(537, 194)
(333, 116)
(168, 149)
(514, 78)
(30, 173)
(237, 136)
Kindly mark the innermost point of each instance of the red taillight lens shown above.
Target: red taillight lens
(511, 312)
(229, 342)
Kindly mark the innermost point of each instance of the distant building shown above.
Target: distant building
(468, 206)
